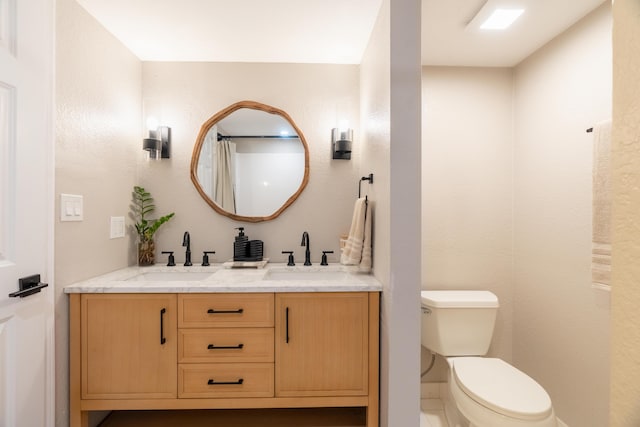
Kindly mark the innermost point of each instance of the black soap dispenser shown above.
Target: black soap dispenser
(240, 245)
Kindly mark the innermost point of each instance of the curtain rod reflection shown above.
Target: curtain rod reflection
(221, 137)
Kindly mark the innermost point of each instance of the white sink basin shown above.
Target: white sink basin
(168, 276)
(305, 275)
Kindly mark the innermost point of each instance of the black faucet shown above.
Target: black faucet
(307, 252)
(186, 241)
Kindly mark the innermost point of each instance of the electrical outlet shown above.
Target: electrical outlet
(117, 227)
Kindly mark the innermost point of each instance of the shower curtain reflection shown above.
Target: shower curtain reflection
(216, 171)
(224, 183)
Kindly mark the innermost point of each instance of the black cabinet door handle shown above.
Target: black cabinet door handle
(213, 311)
(286, 323)
(224, 347)
(162, 338)
(214, 382)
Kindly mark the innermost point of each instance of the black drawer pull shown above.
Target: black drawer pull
(214, 382)
(212, 311)
(286, 321)
(162, 338)
(224, 347)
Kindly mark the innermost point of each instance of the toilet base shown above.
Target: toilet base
(454, 417)
(462, 411)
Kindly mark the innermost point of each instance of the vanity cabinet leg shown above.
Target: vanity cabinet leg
(372, 416)
(79, 419)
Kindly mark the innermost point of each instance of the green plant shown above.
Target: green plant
(142, 206)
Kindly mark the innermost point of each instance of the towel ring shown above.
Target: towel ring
(364, 178)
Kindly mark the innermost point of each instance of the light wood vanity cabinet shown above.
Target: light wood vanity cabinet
(225, 345)
(322, 344)
(223, 350)
(128, 346)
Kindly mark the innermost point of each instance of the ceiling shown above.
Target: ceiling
(322, 31)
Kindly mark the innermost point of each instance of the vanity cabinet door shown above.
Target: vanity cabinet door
(129, 346)
(322, 342)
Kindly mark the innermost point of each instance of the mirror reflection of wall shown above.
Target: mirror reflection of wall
(268, 172)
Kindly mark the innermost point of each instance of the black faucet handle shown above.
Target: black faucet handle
(324, 257)
(290, 261)
(171, 262)
(205, 257)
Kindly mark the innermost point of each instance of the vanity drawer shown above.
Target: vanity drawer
(217, 345)
(225, 310)
(225, 380)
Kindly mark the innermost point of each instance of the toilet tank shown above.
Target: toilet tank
(458, 323)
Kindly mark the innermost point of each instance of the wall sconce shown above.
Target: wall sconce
(158, 144)
(341, 140)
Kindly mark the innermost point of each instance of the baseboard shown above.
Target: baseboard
(430, 390)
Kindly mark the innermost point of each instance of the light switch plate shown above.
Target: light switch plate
(117, 227)
(71, 207)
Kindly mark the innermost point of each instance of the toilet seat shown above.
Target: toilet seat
(501, 388)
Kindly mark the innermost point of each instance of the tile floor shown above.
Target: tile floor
(432, 413)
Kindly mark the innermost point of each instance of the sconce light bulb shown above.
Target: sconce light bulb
(343, 125)
(152, 123)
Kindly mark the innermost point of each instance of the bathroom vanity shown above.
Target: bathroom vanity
(215, 338)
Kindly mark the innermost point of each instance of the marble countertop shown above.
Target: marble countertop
(274, 277)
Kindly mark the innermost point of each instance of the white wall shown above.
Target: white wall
(625, 343)
(98, 132)
(184, 95)
(467, 189)
(561, 325)
(390, 117)
(267, 172)
(375, 116)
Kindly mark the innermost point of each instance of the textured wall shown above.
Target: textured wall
(317, 97)
(625, 343)
(375, 116)
(97, 143)
(390, 111)
(561, 325)
(467, 188)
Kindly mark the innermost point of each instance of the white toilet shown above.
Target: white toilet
(487, 392)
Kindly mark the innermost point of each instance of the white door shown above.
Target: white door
(26, 211)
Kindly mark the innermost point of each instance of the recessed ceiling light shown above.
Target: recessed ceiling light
(501, 19)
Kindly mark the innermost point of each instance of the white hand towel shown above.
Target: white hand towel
(601, 248)
(357, 249)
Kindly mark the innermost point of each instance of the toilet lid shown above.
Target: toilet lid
(502, 388)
